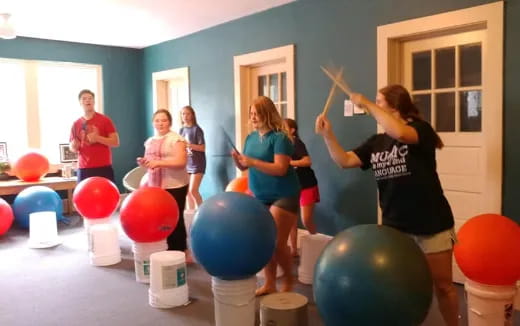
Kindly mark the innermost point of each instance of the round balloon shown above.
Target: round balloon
(233, 235)
(36, 199)
(31, 166)
(149, 214)
(96, 197)
(6, 216)
(372, 275)
(488, 249)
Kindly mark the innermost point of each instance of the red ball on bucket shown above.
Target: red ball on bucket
(96, 197)
(488, 249)
(149, 214)
(31, 166)
(6, 216)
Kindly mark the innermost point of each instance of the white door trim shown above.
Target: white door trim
(488, 17)
(160, 81)
(242, 65)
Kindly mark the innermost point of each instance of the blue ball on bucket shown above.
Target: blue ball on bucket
(36, 199)
(233, 235)
(372, 275)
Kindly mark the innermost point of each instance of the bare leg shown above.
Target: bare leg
(293, 238)
(194, 198)
(307, 212)
(440, 266)
(284, 221)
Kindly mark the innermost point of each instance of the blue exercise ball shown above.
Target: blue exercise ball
(233, 235)
(36, 199)
(372, 275)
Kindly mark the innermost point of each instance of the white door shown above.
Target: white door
(446, 76)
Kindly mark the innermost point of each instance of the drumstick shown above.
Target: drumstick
(331, 95)
(338, 81)
(228, 139)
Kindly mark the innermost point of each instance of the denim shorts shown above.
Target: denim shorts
(437, 242)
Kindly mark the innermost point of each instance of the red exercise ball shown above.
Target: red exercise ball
(6, 216)
(239, 184)
(488, 249)
(149, 214)
(96, 197)
(31, 166)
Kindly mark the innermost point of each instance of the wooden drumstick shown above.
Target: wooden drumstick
(331, 95)
(338, 81)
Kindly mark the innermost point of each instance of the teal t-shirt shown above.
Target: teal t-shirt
(268, 188)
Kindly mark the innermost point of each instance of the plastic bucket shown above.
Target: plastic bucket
(284, 308)
(103, 245)
(43, 230)
(88, 222)
(234, 301)
(168, 287)
(142, 252)
(311, 246)
(489, 304)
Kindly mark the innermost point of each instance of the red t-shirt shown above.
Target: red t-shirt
(93, 155)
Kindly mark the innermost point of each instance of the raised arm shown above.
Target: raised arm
(342, 158)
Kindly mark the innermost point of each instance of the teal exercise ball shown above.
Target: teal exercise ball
(36, 199)
(372, 275)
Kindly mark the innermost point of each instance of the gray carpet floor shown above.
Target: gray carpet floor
(58, 286)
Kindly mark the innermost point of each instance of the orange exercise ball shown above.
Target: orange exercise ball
(149, 214)
(6, 216)
(31, 166)
(239, 184)
(488, 249)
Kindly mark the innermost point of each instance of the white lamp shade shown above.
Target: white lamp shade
(6, 29)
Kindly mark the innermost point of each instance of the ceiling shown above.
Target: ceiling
(126, 23)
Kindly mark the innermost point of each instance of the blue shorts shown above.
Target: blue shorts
(102, 171)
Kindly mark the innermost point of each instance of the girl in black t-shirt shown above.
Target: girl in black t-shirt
(411, 196)
(309, 194)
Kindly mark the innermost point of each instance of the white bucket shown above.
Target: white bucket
(142, 252)
(168, 287)
(284, 308)
(103, 245)
(43, 230)
(311, 246)
(234, 301)
(88, 222)
(489, 304)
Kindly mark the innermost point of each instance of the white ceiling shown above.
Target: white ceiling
(126, 23)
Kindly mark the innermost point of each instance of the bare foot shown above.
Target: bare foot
(287, 283)
(265, 290)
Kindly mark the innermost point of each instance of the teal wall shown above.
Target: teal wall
(122, 86)
(336, 32)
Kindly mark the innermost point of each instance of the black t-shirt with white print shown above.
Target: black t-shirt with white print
(410, 192)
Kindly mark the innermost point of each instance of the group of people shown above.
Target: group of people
(278, 164)
(175, 161)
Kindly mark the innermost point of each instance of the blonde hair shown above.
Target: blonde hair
(189, 108)
(269, 115)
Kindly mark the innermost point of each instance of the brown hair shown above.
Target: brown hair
(166, 112)
(268, 113)
(189, 108)
(292, 125)
(398, 98)
(86, 91)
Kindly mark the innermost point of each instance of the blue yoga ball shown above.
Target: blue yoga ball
(372, 275)
(233, 235)
(36, 199)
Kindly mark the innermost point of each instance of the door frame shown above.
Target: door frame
(488, 17)
(242, 73)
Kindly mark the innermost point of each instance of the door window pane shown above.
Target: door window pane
(273, 87)
(445, 112)
(283, 110)
(262, 86)
(445, 68)
(470, 65)
(424, 104)
(283, 85)
(471, 111)
(421, 68)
